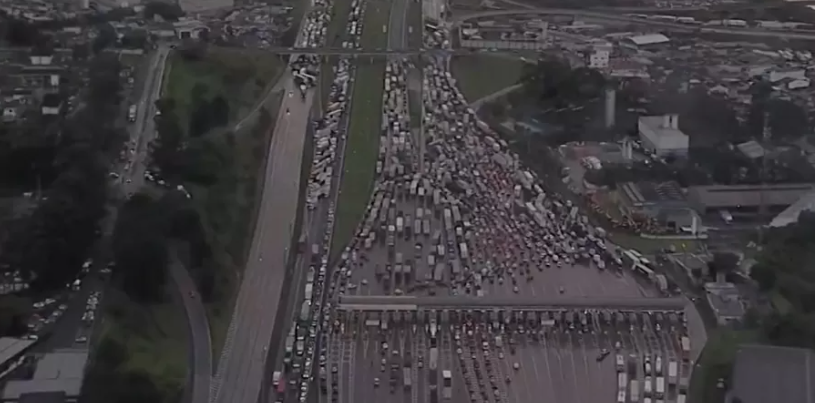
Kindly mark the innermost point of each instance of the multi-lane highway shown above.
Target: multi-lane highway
(241, 369)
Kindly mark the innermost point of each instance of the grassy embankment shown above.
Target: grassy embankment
(159, 345)
(364, 129)
(481, 75)
(228, 206)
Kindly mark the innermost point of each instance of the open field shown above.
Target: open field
(481, 75)
(364, 129)
(237, 75)
(227, 205)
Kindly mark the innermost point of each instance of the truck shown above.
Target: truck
(632, 366)
(648, 385)
(685, 344)
(407, 378)
(672, 372)
(620, 362)
(622, 381)
(433, 359)
(634, 391)
(660, 387)
(132, 113)
(620, 397)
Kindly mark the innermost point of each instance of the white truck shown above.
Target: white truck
(648, 385)
(672, 372)
(132, 113)
(660, 387)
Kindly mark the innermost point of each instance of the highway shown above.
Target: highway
(241, 371)
(660, 24)
(397, 25)
(465, 302)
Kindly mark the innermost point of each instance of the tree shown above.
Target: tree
(140, 250)
(106, 37)
(723, 262)
(168, 11)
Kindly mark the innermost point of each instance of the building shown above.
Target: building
(599, 55)
(661, 135)
(11, 353)
(642, 41)
(56, 374)
(763, 374)
(746, 198)
(664, 201)
(725, 300)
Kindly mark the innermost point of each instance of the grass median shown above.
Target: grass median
(361, 152)
(481, 75)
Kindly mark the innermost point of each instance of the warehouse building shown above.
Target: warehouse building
(57, 377)
(661, 135)
(747, 198)
(645, 41)
(12, 351)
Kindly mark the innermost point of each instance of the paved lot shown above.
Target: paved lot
(554, 363)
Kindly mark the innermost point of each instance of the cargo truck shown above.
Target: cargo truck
(447, 384)
(634, 391)
(648, 385)
(407, 378)
(660, 387)
(672, 372)
(622, 381)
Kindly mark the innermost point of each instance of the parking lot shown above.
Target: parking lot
(527, 359)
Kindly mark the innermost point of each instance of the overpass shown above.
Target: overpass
(329, 51)
(804, 35)
(410, 303)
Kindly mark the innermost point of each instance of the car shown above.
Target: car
(290, 94)
(81, 339)
(192, 294)
(288, 111)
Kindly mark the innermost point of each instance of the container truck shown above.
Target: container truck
(660, 387)
(622, 381)
(407, 378)
(634, 391)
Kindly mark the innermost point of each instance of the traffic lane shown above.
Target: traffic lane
(242, 374)
(575, 280)
(200, 364)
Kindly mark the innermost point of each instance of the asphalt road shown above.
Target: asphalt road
(397, 25)
(200, 353)
(241, 371)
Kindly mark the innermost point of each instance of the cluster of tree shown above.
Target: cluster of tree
(555, 85)
(49, 245)
(108, 379)
(167, 11)
(786, 120)
(140, 249)
(208, 113)
(786, 269)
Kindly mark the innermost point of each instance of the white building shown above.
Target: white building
(661, 135)
(599, 55)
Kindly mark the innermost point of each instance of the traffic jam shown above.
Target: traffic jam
(292, 380)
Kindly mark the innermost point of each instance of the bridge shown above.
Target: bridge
(329, 51)
(410, 303)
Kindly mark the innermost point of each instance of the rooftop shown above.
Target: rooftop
(732, 196)
(751, 149)
(641, 193)
(763, 374)
(60, 371)
(649, 39)
(11, 347)
(664, 132)
(358, 302)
